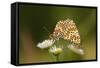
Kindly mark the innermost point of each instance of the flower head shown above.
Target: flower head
(55, 50)
(45, 43)
(75, 49)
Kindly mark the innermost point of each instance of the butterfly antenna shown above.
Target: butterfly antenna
(46, 29)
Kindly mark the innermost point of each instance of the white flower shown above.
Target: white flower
(55, 50)
(45, 44)
(75, 49)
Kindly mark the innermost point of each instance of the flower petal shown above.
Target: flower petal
(45, 43)
(75, 49)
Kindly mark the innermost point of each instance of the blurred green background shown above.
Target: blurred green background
(33, 19)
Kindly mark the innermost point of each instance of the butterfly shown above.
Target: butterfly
(67, 30)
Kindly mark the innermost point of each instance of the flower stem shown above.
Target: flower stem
(57, 58)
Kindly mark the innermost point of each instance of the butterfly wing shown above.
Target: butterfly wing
(67, 30)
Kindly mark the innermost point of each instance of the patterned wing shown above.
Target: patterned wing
(67, 30)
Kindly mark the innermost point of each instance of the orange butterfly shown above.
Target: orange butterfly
(67, 30)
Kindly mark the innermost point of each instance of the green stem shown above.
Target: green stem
(57, 58)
